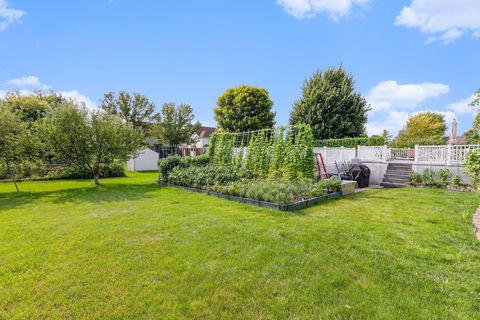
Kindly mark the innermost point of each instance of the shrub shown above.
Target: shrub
(331, 185)
(351, 142)
(457, 181)
(205, 177)
(415, 178)
(165, 166)
(429, 178)
(116, 169)
(472, 165)
(444, 176)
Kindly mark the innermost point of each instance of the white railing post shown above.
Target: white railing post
(417, 155)
(325, 156)
(384, 153)
(449, 154)
(342, 153)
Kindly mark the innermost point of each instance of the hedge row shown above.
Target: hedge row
(35, 172)
(351, 142)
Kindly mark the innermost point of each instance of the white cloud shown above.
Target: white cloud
(394, 121)
(28, 82)
(462, 106)
(389, 94)
(443, 20)
(77, 96)
(8, 15)
(301, 9)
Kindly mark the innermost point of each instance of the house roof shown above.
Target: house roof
(205, 132)
(459, 140)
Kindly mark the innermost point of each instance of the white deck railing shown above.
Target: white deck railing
(445, 155)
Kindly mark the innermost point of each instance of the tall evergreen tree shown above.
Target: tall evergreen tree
(331, 106)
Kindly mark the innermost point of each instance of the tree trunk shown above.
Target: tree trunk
(14, 178)
(96, 179)
(13, 173)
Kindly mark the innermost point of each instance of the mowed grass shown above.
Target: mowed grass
(132, 249)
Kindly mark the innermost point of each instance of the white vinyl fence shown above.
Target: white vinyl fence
(380, 153)
(339, 155)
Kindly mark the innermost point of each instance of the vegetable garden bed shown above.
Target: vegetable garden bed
(264, 204)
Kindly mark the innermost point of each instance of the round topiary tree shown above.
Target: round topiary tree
(243, 109)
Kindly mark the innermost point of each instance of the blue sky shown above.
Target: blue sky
(406, 56)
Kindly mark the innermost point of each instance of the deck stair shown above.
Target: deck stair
(397, 175)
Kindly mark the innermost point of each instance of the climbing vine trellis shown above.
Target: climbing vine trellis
(285, 152)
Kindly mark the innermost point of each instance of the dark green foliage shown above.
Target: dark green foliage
(457, 181)
(244, 109)
(415, 178)
(472, 165)
(89, 140)
(165, 166)
(443, 176)
(286, 152)
(351, 142)
(331, 106)
(176, 124)
(429, 178)
(330, 185)
(44, 172)
(134, 108)
(205, 177)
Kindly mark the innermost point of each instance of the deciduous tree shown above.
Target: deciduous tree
(423, 128)
(176, 124)
(89, 140)
(18, 146)
(134, 108)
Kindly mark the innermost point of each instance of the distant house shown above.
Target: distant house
(202, 137)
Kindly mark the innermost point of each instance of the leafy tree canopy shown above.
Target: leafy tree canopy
(423, 128)
(133, 108)
(176, 124)
(244, 108)
(18, 145)
(31, 108)
(89, 140)
(331, 106)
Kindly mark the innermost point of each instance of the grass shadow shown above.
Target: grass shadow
(106, 193)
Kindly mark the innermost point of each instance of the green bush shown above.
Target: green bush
(206, 176)
(351, 142)
(444, 176)
(415, 178)
(429, 178)
(472, 165)
(165, 166)
(331, 185)
(117, 169)
(457, 181)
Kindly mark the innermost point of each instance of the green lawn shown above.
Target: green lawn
(132, 249)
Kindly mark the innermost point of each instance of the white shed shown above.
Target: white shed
(146, 160)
